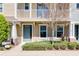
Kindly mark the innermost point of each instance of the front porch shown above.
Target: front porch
(36, 31)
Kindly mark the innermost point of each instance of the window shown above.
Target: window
(43, 31)
(77, 5)
(26, 6)
(0, 7)
(59, 31)
(40, 6)
(42, 10)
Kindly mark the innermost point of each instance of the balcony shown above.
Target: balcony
(42, 15)
(21, 13)
(62, 15)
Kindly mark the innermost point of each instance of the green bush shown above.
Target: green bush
(63, 45)
(72, 45)
(56, 46)
(77, 46)
(46, 45)
(4, 29)
(37, 46)
(57, 41)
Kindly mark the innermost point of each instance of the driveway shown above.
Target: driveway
(17, 51)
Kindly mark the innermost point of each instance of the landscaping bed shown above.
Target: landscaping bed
(7, 47)
(44, 45)
(47, 45)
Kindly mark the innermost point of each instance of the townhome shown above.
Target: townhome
(42, 21)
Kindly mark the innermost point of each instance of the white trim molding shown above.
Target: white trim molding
(72, 32)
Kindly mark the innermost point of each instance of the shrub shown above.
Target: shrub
(63, 45)
(77, 46)
(56, 46)
(37, 46)
(51, 41)
(4, 29)
(72, 45)
(57, 41)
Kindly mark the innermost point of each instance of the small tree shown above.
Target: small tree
(4, 29)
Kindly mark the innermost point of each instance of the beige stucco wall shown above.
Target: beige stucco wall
(9, 9)
(20, 6)
(62, 5)
(21, 12)
(19, 33)
(66, 30)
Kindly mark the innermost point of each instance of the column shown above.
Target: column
(15, 10)
(52, 28)
(72, 32)
(30, 10)
(14, 32)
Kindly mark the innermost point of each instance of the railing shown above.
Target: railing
(21, 13)
(43, 13)
(62, 14)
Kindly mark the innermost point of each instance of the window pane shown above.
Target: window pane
(43, 34)
(59, 34)
(59, 31)
(43, 28)
(43, 31)
(0, 7)
(40, 5)
(26, 5)
(77, 5)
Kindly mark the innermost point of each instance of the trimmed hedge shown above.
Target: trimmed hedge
(72, 45)
(60, 45)
(77, 46)
(63, 45)
(37, 46)
(46, 45)
(56, 46)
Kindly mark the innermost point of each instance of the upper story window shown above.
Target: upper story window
(26, 6)
(40, 6)
(0, 7)
(77, 5)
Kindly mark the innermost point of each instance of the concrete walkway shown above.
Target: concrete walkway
(17, 51)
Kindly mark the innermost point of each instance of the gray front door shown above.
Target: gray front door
(27, 32)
